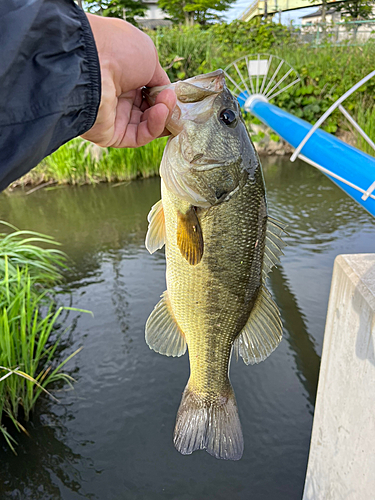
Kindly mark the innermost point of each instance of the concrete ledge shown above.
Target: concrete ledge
(342, 452)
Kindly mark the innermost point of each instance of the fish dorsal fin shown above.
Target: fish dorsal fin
(189, 236)
(155, 237)
(163, 334)
(262, 332)
(274, 245)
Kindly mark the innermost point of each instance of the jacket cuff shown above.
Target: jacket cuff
(94, 72)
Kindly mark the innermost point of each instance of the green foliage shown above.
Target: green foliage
(28, 340)
(366, 120)
(185, 52)
(326, 72)
(355, 10)
(81, 162)
(123, 9)
(188, 51)
(239, 38)
(194, 11)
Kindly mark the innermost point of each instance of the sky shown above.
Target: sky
(241, 5)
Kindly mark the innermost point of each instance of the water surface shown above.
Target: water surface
(111, 437)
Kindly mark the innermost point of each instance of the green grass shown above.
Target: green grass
(326, 72)
(81, 162)
(28, 338)
(366, 120)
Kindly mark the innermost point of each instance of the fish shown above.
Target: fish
(220, 244)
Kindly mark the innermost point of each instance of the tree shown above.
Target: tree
(356, 10)
(123, 9)
(323, 10)
(194, 11)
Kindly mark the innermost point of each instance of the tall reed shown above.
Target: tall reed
(366, 120)
(28, 338)
(81, 162)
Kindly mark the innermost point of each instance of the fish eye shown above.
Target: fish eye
(228, 117)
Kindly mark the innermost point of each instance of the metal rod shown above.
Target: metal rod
(356, 126)
(331, 174)
(273, 77)
(328, 112)
(280, 81)
(368, 191)
(250, 76)
(234, 83)
(284, 88)
(265, 76)
(240, 75)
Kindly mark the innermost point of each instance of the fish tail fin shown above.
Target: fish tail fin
(214, 427)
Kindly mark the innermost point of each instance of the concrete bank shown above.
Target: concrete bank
(342, 452)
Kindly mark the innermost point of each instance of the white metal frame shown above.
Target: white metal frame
(297, 153)
(251, 82)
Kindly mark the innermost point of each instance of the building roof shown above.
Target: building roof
(152, 24)
(318, 13)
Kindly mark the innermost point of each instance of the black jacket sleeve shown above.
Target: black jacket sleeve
(49, 81)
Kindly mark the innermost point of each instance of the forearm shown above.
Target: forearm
(49, 81)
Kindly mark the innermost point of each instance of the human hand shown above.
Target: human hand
(128, 61)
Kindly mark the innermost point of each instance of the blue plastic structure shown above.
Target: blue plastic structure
(348, 162)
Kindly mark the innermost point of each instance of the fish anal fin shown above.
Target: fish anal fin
(189, 236)
(163, 334)
(274, 245)
(155, 237)
(262, 332)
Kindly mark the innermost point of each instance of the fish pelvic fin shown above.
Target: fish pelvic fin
(155, 237)
(274, 245)
(163, 334)
(214, 427)
(262, 332)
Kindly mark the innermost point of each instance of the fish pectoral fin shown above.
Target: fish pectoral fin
(189, 236)
(274, 245)
(163, 334)
(262, 332)
(155, 237)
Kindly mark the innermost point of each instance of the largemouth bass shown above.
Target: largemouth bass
(220, 245)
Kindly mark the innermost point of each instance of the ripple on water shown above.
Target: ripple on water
(111, 437)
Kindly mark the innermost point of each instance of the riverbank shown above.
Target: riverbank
(123, 407)
(80, 163)
(326, 72)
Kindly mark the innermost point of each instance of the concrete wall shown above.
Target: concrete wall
(342, 453)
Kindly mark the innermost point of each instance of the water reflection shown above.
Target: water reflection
(88, 221)
(44, 462)
(111, 436)
(312, 206)
(300, 342)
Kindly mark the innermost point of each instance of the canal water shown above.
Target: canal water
(110, 438)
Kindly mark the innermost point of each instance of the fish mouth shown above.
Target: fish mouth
(194, 98)
(210, 83)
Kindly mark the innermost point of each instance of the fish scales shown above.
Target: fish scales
(220, 245)
(212, 301)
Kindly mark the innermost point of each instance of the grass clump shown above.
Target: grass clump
(366, 120)
(326, 72)
(28, 340)
(81, 162)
